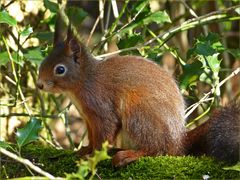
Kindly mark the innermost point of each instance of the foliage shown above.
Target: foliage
(56, 161)
(59, 162)
(29, 133)
(90, 165)
(204, 49)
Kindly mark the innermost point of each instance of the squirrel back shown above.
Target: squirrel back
(219, 137)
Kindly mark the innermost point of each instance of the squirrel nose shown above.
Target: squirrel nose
(39, 84)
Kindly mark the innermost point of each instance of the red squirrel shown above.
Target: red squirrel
(127, 100)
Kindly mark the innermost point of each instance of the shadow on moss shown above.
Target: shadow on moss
(59, 162)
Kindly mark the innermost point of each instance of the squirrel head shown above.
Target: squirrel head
(65, 66)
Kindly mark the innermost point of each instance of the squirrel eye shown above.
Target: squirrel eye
(60, 70)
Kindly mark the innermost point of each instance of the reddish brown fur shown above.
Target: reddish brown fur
(127, 100)
(120, 96)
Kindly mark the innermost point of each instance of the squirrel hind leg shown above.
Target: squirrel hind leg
(122, 158)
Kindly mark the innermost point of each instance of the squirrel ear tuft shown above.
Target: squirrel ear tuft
(72, 41)
(60, 28)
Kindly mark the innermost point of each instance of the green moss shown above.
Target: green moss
(168, 167)
(56, 162)
(59, 162)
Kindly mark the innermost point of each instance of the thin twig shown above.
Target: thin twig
(27, 163)
(205, 100)
(27, 115)
(101, 14)
(93, 29)
(4, 7)
(16, 78)
(192, 12)
(134, 18)
(110, 33)
(206, 96)
(108, 16)
(189, 24)
(58, 146)
(115, 8)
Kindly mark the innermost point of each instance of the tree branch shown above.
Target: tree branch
(27, 162)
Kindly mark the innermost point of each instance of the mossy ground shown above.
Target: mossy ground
(59, 162)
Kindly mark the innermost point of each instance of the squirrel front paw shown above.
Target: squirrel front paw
(122, 158)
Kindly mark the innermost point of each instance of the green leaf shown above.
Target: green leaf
(27, 31)
(206, 77)
(34, 55)
(6, 18)
(190, 76)
(53, 7)
(204, 49)
(4, 144)
(4, 58)
(213, 62)
(44, 36)
(157, 17)
(206, 46)
(76, 15)
(130, 41)
(99, 156)
(29, 133)
(154, 53)
(89, 166)
(142, 6)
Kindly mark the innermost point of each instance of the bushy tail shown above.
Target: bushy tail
(219, 136)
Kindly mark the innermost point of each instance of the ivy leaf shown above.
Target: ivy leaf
(89, 166)
(206, 46)
(204, 49)
(98, 156)
(28, 133)
(6, 18)
(53, 7)
(190, 76)
(130, 41)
